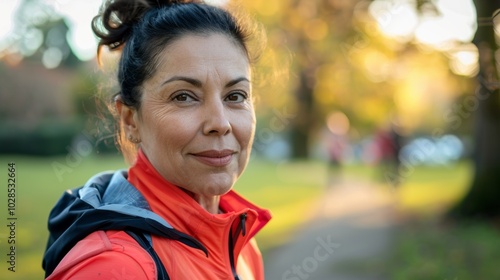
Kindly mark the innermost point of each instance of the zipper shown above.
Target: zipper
(242, 226)
(232, 241)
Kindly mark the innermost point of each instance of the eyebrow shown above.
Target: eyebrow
(237, 80)
(198, 83)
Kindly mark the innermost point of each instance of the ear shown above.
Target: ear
(128, 119)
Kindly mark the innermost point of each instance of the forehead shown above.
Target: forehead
(193, 52)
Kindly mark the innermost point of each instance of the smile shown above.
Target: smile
(215, 158)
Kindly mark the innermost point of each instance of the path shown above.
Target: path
(349, 238)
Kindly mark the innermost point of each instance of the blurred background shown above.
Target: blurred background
(377, 147)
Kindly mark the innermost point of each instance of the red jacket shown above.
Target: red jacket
(228, 238)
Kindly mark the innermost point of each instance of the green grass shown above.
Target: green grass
(286, 189)
(432, 190)
(429, 250)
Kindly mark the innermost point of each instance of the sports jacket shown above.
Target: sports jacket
(90, 231)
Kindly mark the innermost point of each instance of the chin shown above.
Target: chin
(219, 189)
(217, 185)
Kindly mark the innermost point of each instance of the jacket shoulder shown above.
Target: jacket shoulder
(109, 255)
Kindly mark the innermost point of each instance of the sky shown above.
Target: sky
(396, 18)
(455, 20)
(78, 15)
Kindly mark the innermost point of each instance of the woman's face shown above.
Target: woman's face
(196, 120)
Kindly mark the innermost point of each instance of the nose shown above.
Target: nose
(216, 120)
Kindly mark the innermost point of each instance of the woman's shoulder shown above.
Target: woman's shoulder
(110, 254)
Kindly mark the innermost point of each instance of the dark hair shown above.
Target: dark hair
(142, 29)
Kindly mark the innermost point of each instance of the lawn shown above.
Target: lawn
(430, 249)
(427, 245)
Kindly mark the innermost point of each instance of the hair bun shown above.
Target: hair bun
(113, 25)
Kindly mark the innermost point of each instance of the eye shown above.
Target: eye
(183, 97)
(236, 97)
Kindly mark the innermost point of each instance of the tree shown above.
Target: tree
(343, 62)
(41, 35)
(482, 198)
(319, 33)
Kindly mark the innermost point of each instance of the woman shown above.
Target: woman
(187, 121)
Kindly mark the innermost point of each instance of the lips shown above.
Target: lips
(216, 158)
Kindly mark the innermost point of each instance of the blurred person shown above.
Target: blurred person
(337, 143)
(336, 147)
(187, 124)
(388, 143)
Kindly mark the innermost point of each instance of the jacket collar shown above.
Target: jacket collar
(240, 218)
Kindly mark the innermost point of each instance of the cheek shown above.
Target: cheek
(176, 134)
(245, 130)
(168, 131)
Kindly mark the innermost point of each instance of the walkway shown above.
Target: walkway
(350, 237)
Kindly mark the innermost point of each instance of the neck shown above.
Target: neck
(209, 203)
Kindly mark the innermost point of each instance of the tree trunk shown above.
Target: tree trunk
(482, 198)
(303, 122)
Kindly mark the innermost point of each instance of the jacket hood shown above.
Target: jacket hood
(106, 202)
